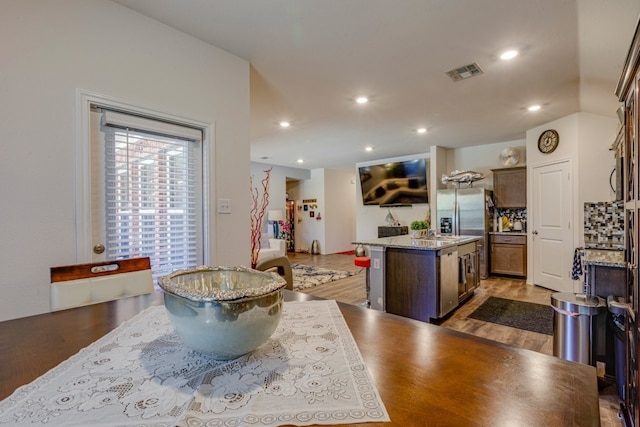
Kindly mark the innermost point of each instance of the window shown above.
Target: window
(147, 187)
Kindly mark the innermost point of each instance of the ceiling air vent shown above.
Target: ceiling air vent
(465, 72)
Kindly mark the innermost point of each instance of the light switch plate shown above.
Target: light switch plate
(224, 206)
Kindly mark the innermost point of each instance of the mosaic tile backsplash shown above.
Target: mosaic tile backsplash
(516, 214)
(604, 225)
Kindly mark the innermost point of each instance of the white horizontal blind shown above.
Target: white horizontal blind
(153, 192)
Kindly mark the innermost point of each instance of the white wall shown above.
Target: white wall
(482, 159)
(310, 229)
(595, 136)
(334, 191)
(277, 185)
(51, 49)
(369, 218)
(584, 139)
(340, 210)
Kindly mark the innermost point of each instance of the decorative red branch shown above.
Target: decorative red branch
(258, 208)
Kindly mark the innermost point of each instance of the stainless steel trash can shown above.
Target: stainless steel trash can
(574, 317)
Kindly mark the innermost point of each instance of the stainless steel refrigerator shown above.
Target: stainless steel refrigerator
(465, 211)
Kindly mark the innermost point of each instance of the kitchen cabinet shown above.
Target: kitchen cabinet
(508, 254)
(603, 281)
(627, 92)
(510, 187)
(411, 283)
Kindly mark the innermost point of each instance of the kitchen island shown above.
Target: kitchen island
(423, 279)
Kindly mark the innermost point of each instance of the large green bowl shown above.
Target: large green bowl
(223, 312)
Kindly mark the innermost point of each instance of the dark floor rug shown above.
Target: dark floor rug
(517, 314)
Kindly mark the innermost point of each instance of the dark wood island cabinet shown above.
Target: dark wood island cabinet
(411, 283)
(422, 279)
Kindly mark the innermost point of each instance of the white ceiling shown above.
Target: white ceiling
(311, 58)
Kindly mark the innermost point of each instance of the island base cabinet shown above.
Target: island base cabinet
(411, 278)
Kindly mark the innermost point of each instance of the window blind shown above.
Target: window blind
(153, 192)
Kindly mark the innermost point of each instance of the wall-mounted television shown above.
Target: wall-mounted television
(395, 183)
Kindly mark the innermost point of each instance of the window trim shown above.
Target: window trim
(84, 99)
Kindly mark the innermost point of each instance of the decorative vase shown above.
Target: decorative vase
(419, 234)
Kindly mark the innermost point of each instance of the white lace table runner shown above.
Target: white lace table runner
(309, 372)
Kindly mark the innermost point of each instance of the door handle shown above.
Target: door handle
(534, 232)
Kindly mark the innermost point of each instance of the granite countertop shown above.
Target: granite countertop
(605, 258)
(509, 233)
(406, 242)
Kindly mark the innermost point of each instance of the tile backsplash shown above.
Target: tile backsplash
(604, 225)
(514, 214)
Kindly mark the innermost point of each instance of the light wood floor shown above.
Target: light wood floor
(352, 291)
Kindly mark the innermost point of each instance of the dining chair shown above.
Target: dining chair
(85, 284)
(280, 265)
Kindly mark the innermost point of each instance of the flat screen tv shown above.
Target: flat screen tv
(395, 183)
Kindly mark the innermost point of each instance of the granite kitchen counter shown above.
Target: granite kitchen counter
(509, 233)
(604, 258)
(406, 242)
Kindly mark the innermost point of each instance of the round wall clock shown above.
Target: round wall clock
(548, 141)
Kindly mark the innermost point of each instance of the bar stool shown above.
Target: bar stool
(365, 262)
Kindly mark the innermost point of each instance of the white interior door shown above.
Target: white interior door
(552, 234)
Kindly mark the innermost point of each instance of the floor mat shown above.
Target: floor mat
(306, 276)
(517, 314)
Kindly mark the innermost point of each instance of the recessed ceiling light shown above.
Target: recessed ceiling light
(510, 54)
(362, 100)
(284, 124)
(534, 108)
(368, 148)
(421, 130)
(300, 161)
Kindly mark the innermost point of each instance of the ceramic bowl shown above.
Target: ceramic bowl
(223, 312)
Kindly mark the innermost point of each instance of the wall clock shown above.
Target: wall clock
(548, 141)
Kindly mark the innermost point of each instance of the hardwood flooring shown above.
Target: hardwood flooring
(352, 291)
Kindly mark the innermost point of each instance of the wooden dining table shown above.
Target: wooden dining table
(426, 375)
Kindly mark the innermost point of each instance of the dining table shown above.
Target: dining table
(426, 375)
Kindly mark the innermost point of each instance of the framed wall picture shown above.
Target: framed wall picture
(306, 207)
(311, 214)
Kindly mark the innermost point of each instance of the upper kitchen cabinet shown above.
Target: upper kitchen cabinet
(510, 187)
